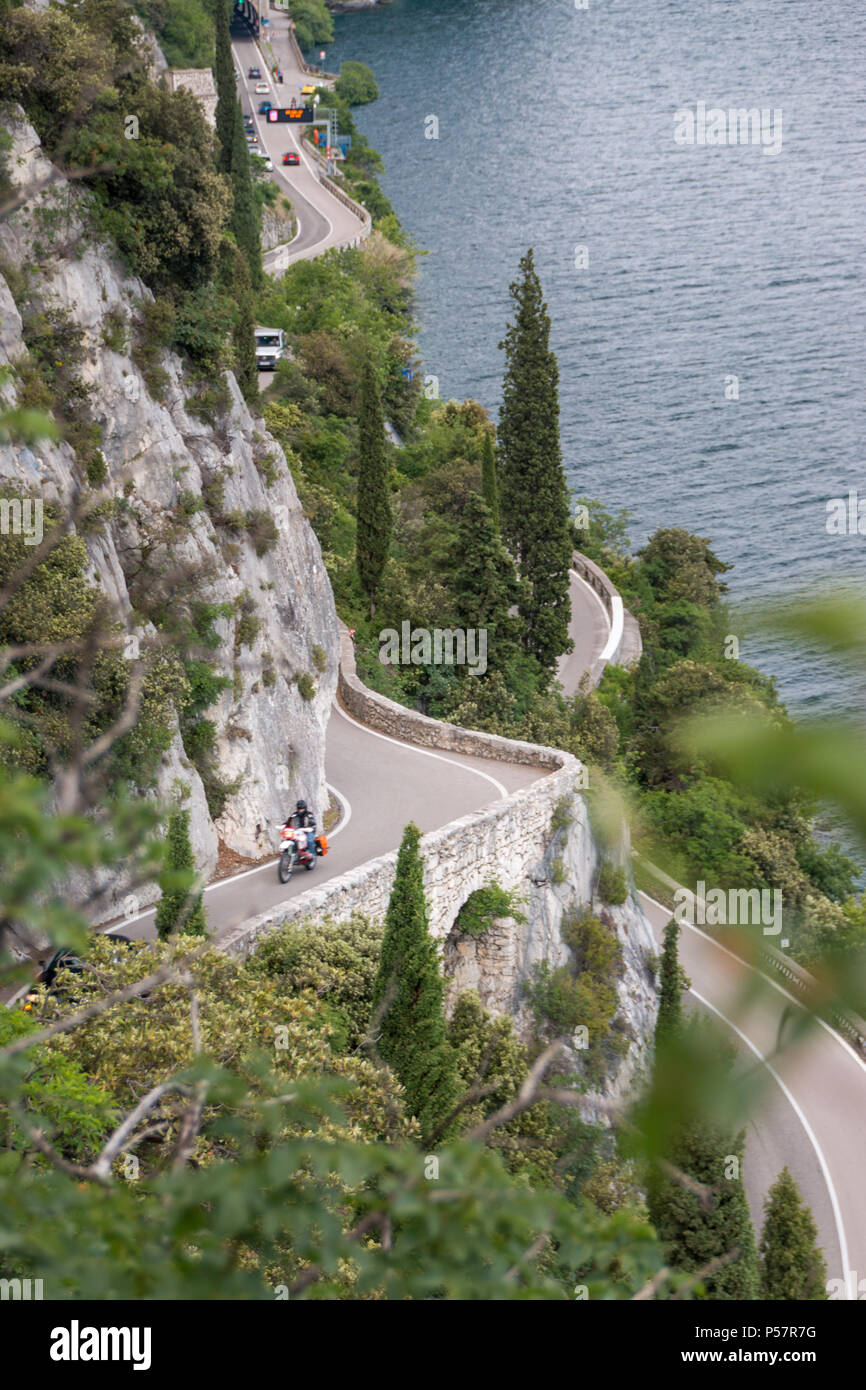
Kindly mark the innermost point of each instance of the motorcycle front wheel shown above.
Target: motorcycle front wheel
(287, 863)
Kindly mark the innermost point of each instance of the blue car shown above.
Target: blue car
(264, 108)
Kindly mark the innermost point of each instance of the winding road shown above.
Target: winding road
(812, 1114)
(323, 221)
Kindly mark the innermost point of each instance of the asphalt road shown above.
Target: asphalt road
(323, 221)
(382, 784)
(811, 1115)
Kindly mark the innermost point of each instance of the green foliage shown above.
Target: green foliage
(408, 996)
(672, 982)
(306, 685)
(72, 1110)
(562, 817)
(694, 1235)
(490, 478)
(534, 500)
(374, 507)
(477, 914)
(319, 656)
(792, 1267)
(244, 220)
(356, 84)
(489, 1057)
(184, 28)
(313, 22)
(612, 884)
(337, 961)
(180, 908)
(583, 993)
(224, 79)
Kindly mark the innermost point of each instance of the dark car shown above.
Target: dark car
(254, 72)
(291, 158)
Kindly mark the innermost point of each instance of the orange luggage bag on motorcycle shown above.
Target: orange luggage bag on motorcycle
(321, 843)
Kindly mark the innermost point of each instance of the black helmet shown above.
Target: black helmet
(301, 806)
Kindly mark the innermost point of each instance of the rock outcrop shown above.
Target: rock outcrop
(275, 617)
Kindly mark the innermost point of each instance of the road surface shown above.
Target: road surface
(323, 221)
(811, 1114)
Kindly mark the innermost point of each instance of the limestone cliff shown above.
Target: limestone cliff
(277, 625)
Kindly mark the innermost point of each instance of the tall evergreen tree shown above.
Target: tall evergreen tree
(375, 521)
(244, 328)
(224, 78)
(534, 495)
(179, 907)
(672, 982)
(410, 992)
(244, 221)
(485, 583)
(792, 1265)
(693, 1234)
(490, 479)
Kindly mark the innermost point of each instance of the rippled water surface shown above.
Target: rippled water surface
(556, 130)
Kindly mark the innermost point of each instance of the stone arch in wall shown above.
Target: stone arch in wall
(488, 963)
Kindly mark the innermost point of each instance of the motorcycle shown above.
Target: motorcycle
(295, 851)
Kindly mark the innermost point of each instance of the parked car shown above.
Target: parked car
(262, 88)
(266, 162)
(290, 157)
(254, 72)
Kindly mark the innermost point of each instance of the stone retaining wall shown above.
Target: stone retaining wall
(501, 841)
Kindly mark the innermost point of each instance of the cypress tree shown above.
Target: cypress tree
(534, 495)
(374, 522)
(485, 583)
(672, 982)
(693, 1235)
(792, 1265)
(410, 992)
(244, 221)
(244, 331)
(489, 479)
(178, 907)
(224, 78)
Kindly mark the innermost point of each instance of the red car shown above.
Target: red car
(291, 158)
(254, 72)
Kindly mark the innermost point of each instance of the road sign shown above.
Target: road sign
(283, 114)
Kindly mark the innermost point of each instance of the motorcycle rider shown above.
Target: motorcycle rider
(303, 819)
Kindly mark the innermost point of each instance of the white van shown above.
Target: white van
(270, 348)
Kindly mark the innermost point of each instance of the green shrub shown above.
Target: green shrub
(262, 531)
(562, 817)
(356, 84)
(96, 469)
(612, 884)
(336, 960)
(320, 658)
(115, 330)
(306, 685)
(481, 907)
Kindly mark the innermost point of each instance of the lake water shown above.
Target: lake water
(701, 262)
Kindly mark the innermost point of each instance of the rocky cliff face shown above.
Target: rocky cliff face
(498, 964)
(277, 625)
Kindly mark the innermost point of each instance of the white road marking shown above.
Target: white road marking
(828, 1028)
(810, 1134)
(425, 752)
